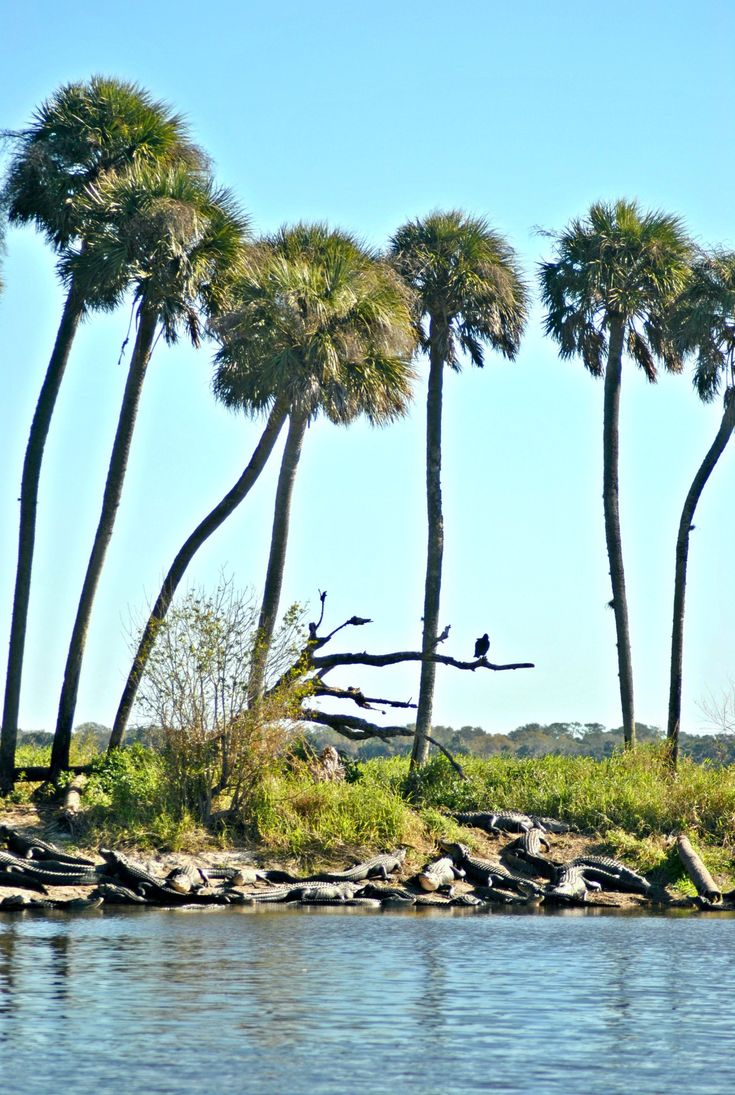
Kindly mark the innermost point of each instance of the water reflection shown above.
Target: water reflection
(327, 1002)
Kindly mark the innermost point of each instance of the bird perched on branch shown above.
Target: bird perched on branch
(444, 635)
(482, 645)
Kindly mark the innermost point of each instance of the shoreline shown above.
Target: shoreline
(30, 821)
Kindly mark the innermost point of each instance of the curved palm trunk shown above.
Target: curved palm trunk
(113, 489)
(435, 546)
(201, 533)
(277, 558)
(727, 426)
(70, 317)
(610, 494)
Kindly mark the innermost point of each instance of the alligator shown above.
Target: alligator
(34, 848)
(571, 883)
(92, 902)
(112, 894)
(187, 879)
(134, 877)
(36, 870)
(612, 874)
(496, 822)
(486, 872)
(380, 866)
(389, 893)
(237, 876)
(439, 874)
(10, 877)
(489, 894)
(527, 848)
(469, 900)
(18, 901)
(320, 897)
(431, 901)
(311, 891)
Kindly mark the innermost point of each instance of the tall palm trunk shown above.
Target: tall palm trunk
(435, 544)
(147, 323)
(70, 317)
(177, 569)
(727, 426)
(277, 558)
(610, 494)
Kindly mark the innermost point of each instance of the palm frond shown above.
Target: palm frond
(703, 322)
(467, 279)
(617, 261)
(320, 322)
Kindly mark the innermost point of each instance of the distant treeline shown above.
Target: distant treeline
(589, 739)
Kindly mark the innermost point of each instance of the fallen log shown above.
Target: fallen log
(703, 881)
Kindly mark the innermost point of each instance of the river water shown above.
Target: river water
(345, 1002)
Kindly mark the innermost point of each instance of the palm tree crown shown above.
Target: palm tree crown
(616, 262)
(467, 277)
(320, 323)
(704, 322)
(83, 132)
(168, 231)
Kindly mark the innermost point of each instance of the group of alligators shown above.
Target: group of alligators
(523, 874)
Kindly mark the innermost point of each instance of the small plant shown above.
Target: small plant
(214, 746)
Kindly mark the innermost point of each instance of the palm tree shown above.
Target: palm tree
(85, 132)
(704, 324)
(327, 326)
(609, 292)
(182, 239)
(470, 291)
(184, 556)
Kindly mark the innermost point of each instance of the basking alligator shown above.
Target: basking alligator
(501, 821)
(146, 885)
(36, 870)
(571, 884)
(189, 879)
(34, 848)
(380, 866)
(118, 895)
(528, 847)
(611, 874)
(307, 890)
(439, 874)
(486, 872)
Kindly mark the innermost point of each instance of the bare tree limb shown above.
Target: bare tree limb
(349, 726)
(314, 627)
(357, 696)
(330, 661)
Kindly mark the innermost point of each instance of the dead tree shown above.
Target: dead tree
(312, 667)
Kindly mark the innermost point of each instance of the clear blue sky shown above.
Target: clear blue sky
(366, 116)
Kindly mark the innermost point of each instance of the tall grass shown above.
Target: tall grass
(631, 801)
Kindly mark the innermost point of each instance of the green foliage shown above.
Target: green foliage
(467, 280)
(294, 814)
(321, 324)
(616, 261)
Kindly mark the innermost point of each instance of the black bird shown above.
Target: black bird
(482, 645)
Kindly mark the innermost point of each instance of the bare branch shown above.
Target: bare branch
(357, 696)
(330, 661)
(349, 726)
(314, 627)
